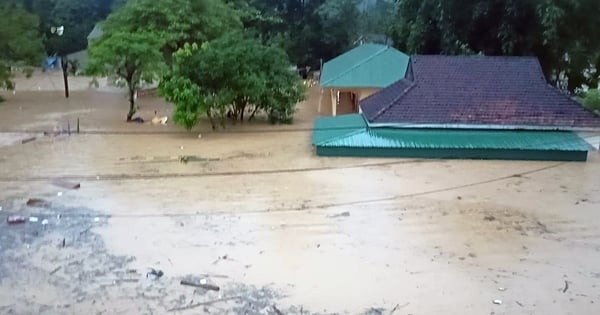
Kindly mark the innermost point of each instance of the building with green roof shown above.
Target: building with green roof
(349, 135)
(357, 74)
(467, 107)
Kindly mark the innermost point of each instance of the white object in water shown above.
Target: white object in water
(33, 219)
(96, 219)
(59, 193)
(0, 208)
(203, 281)
(497, 302)
(44, 222)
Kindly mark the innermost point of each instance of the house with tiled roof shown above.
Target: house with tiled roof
(357, 74)
(463, 107)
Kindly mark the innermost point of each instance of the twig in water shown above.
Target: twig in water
(200, 285)
(398, 306)
(55, 270)
(205, 303)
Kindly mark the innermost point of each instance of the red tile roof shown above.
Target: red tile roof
(476, 90)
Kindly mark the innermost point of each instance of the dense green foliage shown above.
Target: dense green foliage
(20, 43)
(231, 76)
(77, 16)
(317, 29)
(134, 58)
(176, 22)
(591, 99)
(563, 34)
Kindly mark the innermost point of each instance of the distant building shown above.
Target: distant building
(358, 73)
(463, 107)
(95, 33)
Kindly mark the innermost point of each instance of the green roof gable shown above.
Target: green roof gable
(368, 65)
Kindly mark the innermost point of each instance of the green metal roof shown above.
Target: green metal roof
(368, 65)
(327, 128)
(350, 131)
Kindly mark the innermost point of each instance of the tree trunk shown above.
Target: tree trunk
(210, 118)
(65, 68)
(253, 113)
(242, 110)
(131, 103)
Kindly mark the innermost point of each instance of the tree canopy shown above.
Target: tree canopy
(20, 43)
(231, 76)
(563, 34)
(133, 57)
(175, 21)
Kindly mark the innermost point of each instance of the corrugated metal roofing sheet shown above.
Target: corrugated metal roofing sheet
(327, 128)
(350, 131)
(459, 139)
(368, 65)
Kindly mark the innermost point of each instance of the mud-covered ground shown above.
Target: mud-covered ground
(277, 229)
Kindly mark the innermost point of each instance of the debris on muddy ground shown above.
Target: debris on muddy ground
(200, 284)
(338, 215)
(24, 141)
(489, 218)
(501, 289)
(55, 270)
(224, 257)
(277, 311)
(38, 203)
(564, 290)
(154, 274)
(374, 311)
(66, 184)
(15, 219)
(398, 307)
(497, 302)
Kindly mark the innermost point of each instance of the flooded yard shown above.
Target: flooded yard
(279, 230)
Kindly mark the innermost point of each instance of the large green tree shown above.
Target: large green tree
(231, 76)
(175, 21)
(20, 43)
(134, 58)
(564, 34)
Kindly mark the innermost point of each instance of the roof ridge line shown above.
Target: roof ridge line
(357, 64)
(383, 110)
(410, 87)
(351, 133)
